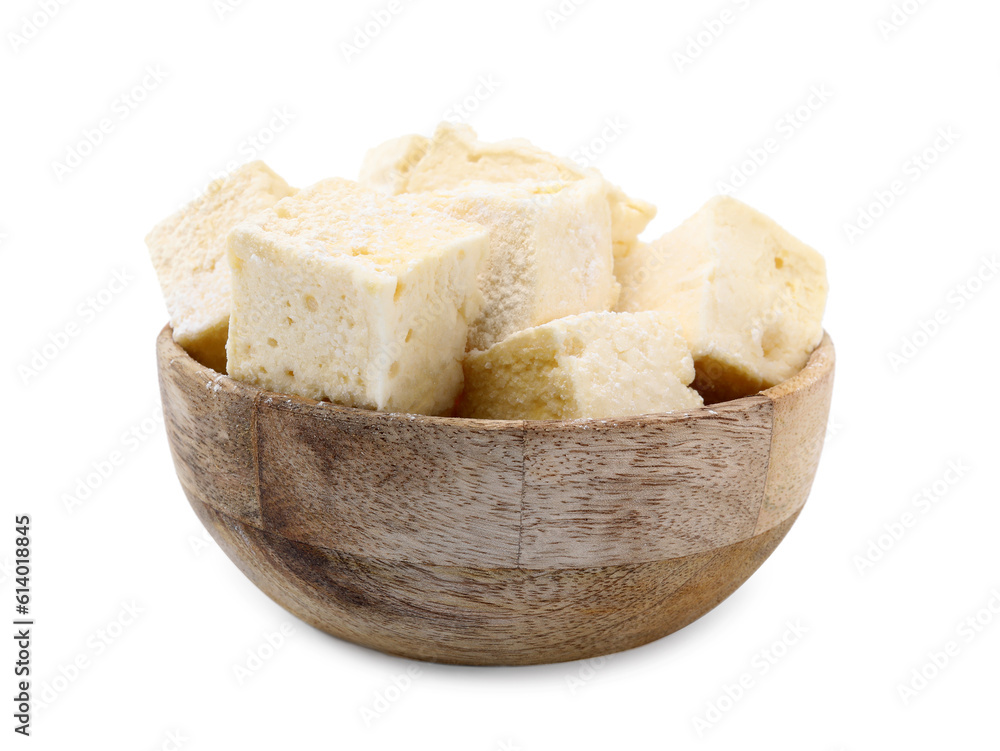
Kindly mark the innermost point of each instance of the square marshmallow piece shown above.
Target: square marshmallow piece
(343, 294)
(596, 365)
(550, 251)
(188, 250)
(749, 296)
(454, 156)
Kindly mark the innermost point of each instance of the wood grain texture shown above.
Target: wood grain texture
(801, 412)
(643, 489)
(482, 616)
(210, 424)
(491, 542)
(336, 478)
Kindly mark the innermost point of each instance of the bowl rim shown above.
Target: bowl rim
(820, 361)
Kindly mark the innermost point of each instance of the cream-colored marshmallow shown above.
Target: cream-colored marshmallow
(598, 365)
(188, 250)
(550, 251)
(341, 293)
(749, 296)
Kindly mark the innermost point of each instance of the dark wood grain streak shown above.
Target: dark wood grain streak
(483, 616)
(209, 421)
(390, 490)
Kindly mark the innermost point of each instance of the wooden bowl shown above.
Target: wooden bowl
(486, 542)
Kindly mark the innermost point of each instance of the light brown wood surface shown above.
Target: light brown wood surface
(801, 413)
(489, 542)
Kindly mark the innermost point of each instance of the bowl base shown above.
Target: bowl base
(487, 616)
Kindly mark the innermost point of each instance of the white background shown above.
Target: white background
(896, 424)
